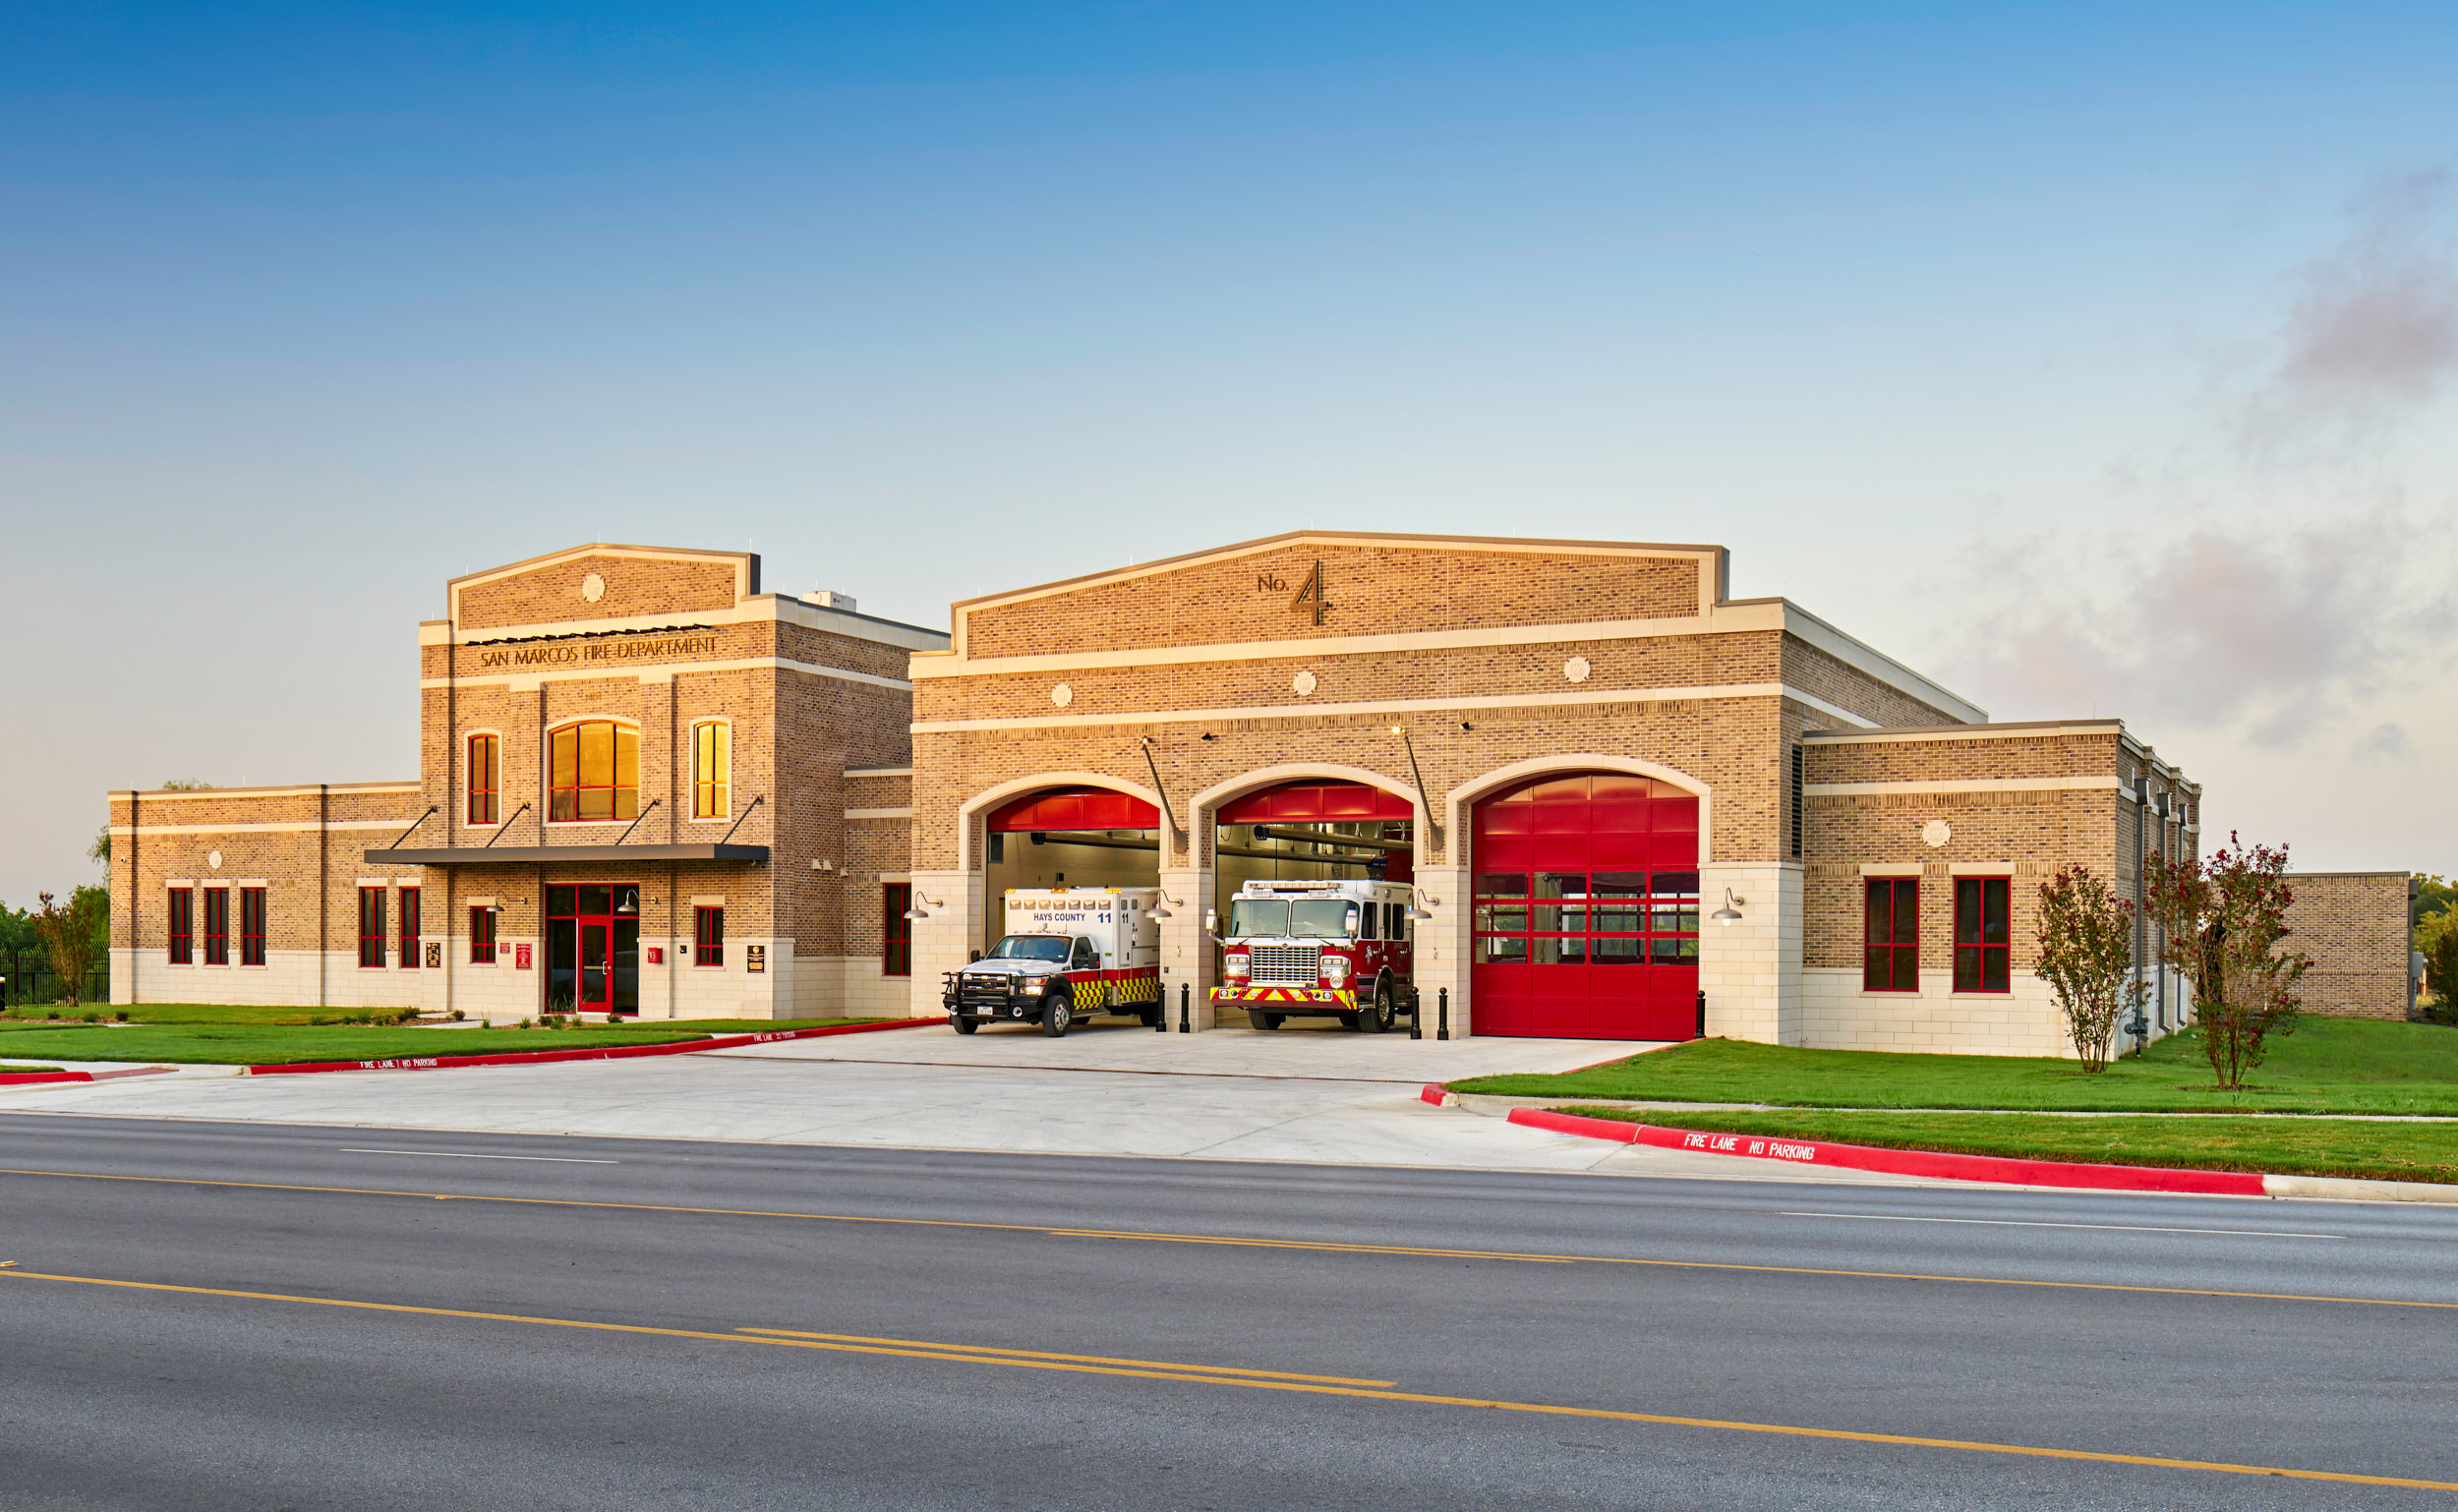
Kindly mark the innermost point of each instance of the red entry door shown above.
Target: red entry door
(596, 974)
(1587, 911)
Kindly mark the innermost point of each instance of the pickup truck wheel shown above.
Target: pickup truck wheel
(1260, 1019)
(961, 1025)
(1058, 1011)
(1382, 1016)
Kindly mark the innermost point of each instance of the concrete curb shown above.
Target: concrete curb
(596, 1053)
(1930, 1163)
(39, 1078)
(2006, 1170)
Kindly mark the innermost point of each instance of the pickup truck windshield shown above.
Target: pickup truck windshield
(1028, 947)
(1303, 919)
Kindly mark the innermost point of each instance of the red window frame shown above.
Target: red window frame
(895, 931)
(1890, 920)
(482, 936)
(217, 926)
(411, 927)
(1984, 934)
(486, 778)
(708, 937)
(183, 921)
(370, 928)
(252, 926)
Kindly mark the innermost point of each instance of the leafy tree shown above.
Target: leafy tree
(74, 935)
(2433, 896)
(2224, 920)
(2437, 938)
(2087, 955)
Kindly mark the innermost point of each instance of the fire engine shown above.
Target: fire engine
(1318, 949)
(1068, 953)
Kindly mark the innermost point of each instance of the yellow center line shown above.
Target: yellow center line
(1042, 1354)
(964, 1354)
(1255, 1243)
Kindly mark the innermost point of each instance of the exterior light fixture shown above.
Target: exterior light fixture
(1728, 915)
(917, 911)
(1419, 909)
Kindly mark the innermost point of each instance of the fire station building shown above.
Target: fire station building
(647, 786)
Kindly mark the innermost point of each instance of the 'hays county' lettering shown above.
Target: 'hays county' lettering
(599, 651)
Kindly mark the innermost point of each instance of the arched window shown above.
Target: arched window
(593, 773)
(486, 778)
(712, 771)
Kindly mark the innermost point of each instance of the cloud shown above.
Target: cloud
(2372, 332)
(2273, 632)
(2382, 740)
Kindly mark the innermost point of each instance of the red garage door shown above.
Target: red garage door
(1585, 911)
(1075, 808)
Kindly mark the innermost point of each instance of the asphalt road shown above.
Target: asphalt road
(574, 1328)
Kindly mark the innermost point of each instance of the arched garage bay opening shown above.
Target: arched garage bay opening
(1067, 837)
(1317, 827)
(1587, 910)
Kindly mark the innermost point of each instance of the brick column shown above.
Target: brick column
(1186, 952)
(944, 941)
(1442, 945)
(1751, 971)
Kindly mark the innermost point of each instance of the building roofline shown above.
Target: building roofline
(268, 790)
(1244, 548)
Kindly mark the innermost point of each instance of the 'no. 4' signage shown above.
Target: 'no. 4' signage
(1311, 595)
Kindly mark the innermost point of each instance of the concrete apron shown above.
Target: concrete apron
(1316, 1097)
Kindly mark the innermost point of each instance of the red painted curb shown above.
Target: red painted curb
(1864, 1157)
(596, 1053)
(1432, 1094)
(34, 1077)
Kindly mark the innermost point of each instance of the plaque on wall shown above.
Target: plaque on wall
(755, 957)
(521, 958)
(434, 955)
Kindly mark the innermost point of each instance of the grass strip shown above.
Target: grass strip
(2327, 1066)
(2397, 1152)
(246, 1044)
(19, 1071)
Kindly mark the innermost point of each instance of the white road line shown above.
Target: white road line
(564, 1160)
(2122, 1228)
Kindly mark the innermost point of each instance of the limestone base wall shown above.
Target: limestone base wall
(2026, 1021)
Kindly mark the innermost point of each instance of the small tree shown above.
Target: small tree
(71, 934)
(2437, 938)
(2087, 955)
(2224, 921)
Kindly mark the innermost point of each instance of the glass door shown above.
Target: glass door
(593, 949)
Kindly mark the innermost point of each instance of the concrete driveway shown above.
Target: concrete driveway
(1327, 1097)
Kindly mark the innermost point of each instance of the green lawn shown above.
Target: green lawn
(7, 1070)
(2404, 1152)
(258, 1044)
(2327, 1066)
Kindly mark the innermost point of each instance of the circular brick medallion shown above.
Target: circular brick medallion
(1936, 833)
(1062, 695)
(1304, 684)
(593, 588)
(1577, 668)
(213, 858)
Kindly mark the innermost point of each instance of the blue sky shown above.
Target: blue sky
(2095, 359)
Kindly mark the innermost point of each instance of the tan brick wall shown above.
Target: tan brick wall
(2354, 925)
(1822, 676)
(1373, 590)
(633, 586)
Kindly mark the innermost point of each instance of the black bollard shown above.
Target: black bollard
(1415, 1020)
(1184, 992)
(1160, 1000)
(1442, 1012)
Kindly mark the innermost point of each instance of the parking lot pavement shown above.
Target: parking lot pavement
(1230, 1094)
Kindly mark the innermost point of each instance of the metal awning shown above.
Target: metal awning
(531, 855)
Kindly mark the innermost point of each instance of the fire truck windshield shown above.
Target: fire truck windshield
(1028, 947)
(1307, 918)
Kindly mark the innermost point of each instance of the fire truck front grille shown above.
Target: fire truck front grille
(1284, 964)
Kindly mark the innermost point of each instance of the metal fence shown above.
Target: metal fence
(32, 984)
